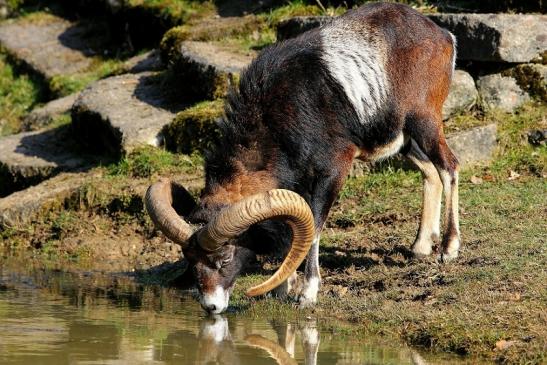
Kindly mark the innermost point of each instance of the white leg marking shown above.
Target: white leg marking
(312, 276)
(431, 210)
(451, 239)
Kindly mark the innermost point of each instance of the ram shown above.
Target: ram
(368, 85)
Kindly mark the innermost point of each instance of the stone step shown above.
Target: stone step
(88, 190)
(119, 113)
(21, 207)
(512, 38)
(148, 61)
(31, 157)
(207, 69)
(50, 47)
(40, 117)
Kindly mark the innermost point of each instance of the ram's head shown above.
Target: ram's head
(214, 251)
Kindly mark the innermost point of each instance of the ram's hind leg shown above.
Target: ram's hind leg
(451, 238)
(429, 148)
(429, 231)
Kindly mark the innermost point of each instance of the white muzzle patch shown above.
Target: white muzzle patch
(217, 301)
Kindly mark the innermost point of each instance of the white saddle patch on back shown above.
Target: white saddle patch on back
(357, 61)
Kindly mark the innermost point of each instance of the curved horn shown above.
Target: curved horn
(277, 203)
(159, 200)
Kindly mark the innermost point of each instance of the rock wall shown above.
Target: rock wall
(174, 102)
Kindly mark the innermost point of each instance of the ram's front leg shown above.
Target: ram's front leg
(325, 193)
(312, 276)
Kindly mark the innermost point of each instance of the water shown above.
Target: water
(53, 317)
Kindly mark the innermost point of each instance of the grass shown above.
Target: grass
(18, 94)
(147, 161)
(100, 68)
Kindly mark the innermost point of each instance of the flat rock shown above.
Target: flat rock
(292, 27)
(208, 69)
(462, 96)
(119, 113)
(50, 47)
(497, 37)
(31, 157)
(501, 92)
(21, 207)
(44, 115)
(474, 145)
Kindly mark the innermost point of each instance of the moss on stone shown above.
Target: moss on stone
(194, 129)
(532, 78)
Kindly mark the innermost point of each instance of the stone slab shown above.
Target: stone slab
(119, 113)
(462, 96)
(31, 157)
(21, 207)
(208, 69)
(474, 145)
(44, 115)
(50, 47)
(514, 38)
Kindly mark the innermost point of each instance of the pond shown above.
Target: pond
(50, 316)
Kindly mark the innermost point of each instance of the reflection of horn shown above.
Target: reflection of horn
(277, 352)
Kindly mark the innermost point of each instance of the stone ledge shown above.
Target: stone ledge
(497, 37)
(207, 69)
(119, 113)
(21, 207)
(31, 157)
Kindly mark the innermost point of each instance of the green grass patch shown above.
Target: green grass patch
(147, 161)
(64, 85)
(178, 11)
(18, 94)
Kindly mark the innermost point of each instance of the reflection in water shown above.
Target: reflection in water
(51, 317)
